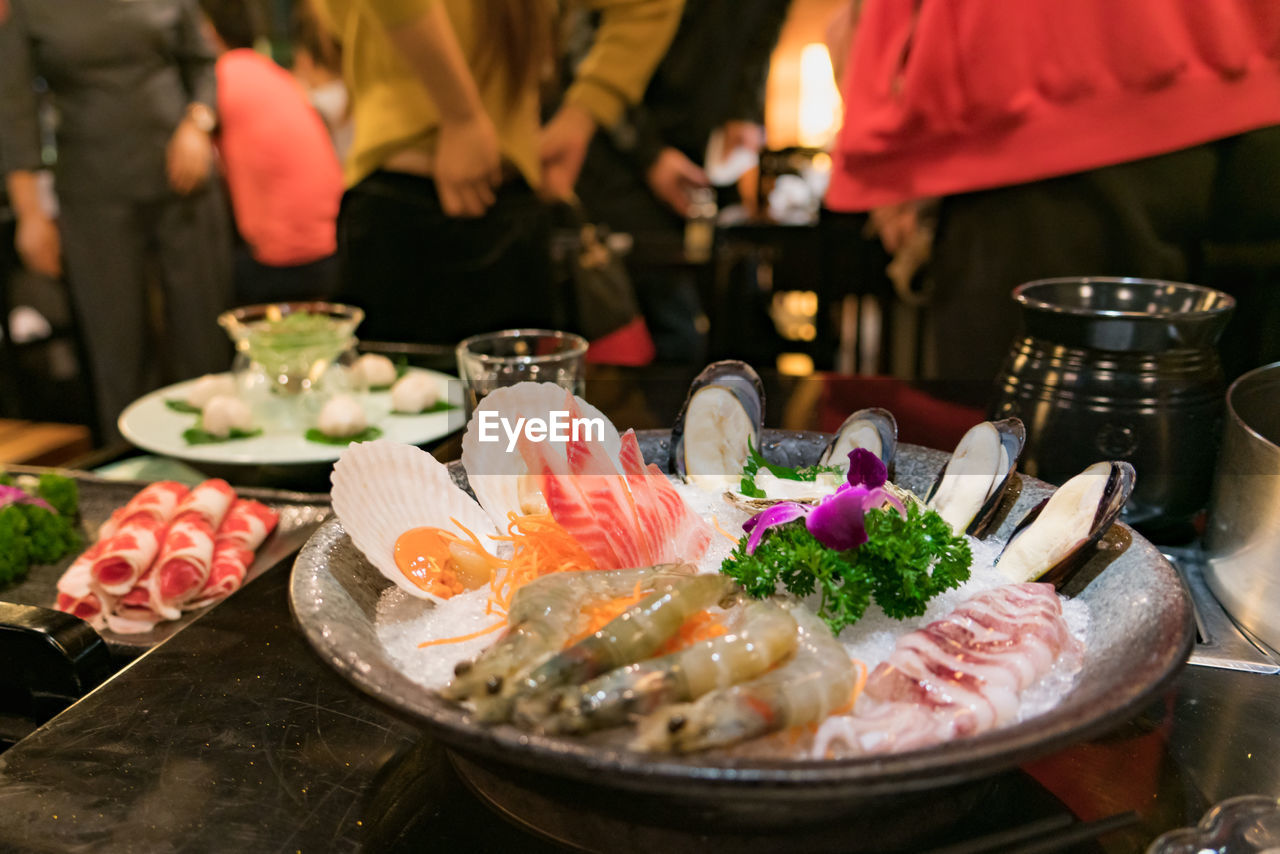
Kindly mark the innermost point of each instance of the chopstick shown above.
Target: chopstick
(1042, 836)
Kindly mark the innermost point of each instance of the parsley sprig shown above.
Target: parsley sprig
(904, 563)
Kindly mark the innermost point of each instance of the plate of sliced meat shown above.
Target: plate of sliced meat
(784, 668)
(158, 555)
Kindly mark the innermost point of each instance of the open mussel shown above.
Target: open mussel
(723, 412)
(1057, 535)
(968, 490)
(874, 429)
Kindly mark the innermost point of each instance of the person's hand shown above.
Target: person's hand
(672, 176)
(189, 157)
(468, 166)
(740, 134)
(896, 224)
(39, 245)
(563, 148)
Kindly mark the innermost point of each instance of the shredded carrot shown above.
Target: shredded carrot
(700, 627)
(862, 680)
(540, 546)
(461, 638)
(600, 613)
(715, 521)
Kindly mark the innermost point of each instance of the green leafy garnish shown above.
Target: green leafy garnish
(366, 435)
(438, 406)
(62, 493)
(201, 436)
(756, 461)
(182, 406)
(904, 563)
(32, 532)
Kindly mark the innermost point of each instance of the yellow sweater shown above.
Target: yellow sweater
(392, 110)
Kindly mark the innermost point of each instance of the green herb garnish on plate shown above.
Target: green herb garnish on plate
(201, 436)
(37, 523)
(904, 563)
(182, 406)
(438, 406)
(860, 543)
(366, 435)
(756, 461)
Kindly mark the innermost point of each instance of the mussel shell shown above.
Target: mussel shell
(1013, 435)
(885, 425)
(1120, 483)
(736, 377)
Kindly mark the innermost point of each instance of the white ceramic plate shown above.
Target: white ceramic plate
(151, 425)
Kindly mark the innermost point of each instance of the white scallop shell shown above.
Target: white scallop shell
(494, 471)
(382, 489)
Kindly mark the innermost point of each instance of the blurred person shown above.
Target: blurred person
(281, 168)
(135, 96)
(639, 175)
(1066, 139)
(442, 233)
(317, 63)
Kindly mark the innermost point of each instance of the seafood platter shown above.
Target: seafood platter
(739, 625)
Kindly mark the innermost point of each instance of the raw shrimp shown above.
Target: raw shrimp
(541, 620)
(635, 634)
(765, 635)
(818, 680)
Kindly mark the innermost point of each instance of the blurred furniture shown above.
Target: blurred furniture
(42, 443)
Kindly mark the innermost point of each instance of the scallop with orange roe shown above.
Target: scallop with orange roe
(383, 489)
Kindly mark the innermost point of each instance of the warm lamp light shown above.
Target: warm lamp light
(820, 107)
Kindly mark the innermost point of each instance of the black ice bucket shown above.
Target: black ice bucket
(1115, 368)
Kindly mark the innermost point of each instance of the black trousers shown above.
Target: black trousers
(424, 277)
(113, 250)
(1208, 215)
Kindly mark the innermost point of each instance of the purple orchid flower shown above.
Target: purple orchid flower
(16, 495)
(837, 521)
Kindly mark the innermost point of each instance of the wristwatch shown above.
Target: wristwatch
(202, 117)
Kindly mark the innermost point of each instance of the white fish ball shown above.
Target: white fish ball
(341, 416)
(224, 413)
(374, 370)
(413, 393)
(208, 387)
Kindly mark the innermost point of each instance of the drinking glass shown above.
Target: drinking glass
(493, 360)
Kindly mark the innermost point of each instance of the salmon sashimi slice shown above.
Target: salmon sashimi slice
(570, 508)
(622, 519)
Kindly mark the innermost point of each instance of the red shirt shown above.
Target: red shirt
(284, 176)
(951, 96)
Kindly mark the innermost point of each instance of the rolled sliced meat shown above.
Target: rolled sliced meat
(183, 564)
(75, 590)
(127, 554)
(248, 522)
(158, 501)
(246, 526)
(230, 563)
(210, 501)
(133, 613)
